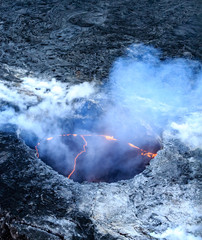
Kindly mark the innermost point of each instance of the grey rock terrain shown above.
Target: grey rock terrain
(77, 41)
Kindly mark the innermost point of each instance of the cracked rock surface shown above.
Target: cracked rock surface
(38, 203)
(77, 40)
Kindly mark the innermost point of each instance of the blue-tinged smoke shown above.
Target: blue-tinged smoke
(144, 96)
(148, 93)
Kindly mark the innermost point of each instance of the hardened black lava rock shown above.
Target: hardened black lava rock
(38, 203)
(76, 40)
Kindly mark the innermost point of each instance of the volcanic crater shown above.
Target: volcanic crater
(95, 157)
(74, 42)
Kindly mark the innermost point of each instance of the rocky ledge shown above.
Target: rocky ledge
(37, 203)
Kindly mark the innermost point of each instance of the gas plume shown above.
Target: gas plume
(150, 94)
(143, 96)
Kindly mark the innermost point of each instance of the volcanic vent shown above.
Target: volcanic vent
(95, 157)
(69, 123)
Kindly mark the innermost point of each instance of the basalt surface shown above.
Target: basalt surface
(77, 40)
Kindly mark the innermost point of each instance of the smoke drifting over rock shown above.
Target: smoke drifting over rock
(143, 96)
(149, 92)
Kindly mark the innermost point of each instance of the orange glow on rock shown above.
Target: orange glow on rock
(143, 152)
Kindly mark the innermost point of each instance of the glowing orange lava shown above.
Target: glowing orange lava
(50, 138)
(109, 138)
(84, 150)
(143, 152)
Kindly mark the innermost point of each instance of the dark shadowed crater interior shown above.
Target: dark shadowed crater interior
(104, 160)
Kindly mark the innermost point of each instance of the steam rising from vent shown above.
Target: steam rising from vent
(41, 106)
(142, 97)
(149, 93)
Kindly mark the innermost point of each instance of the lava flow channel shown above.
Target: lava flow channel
(109, 138)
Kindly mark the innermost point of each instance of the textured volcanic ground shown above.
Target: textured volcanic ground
(76, 41)
(81, 39)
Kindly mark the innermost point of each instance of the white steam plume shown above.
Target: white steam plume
(36, 104)
(143, 96)
(149, 94)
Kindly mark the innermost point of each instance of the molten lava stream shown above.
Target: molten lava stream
(84, 150)
(109, 138)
